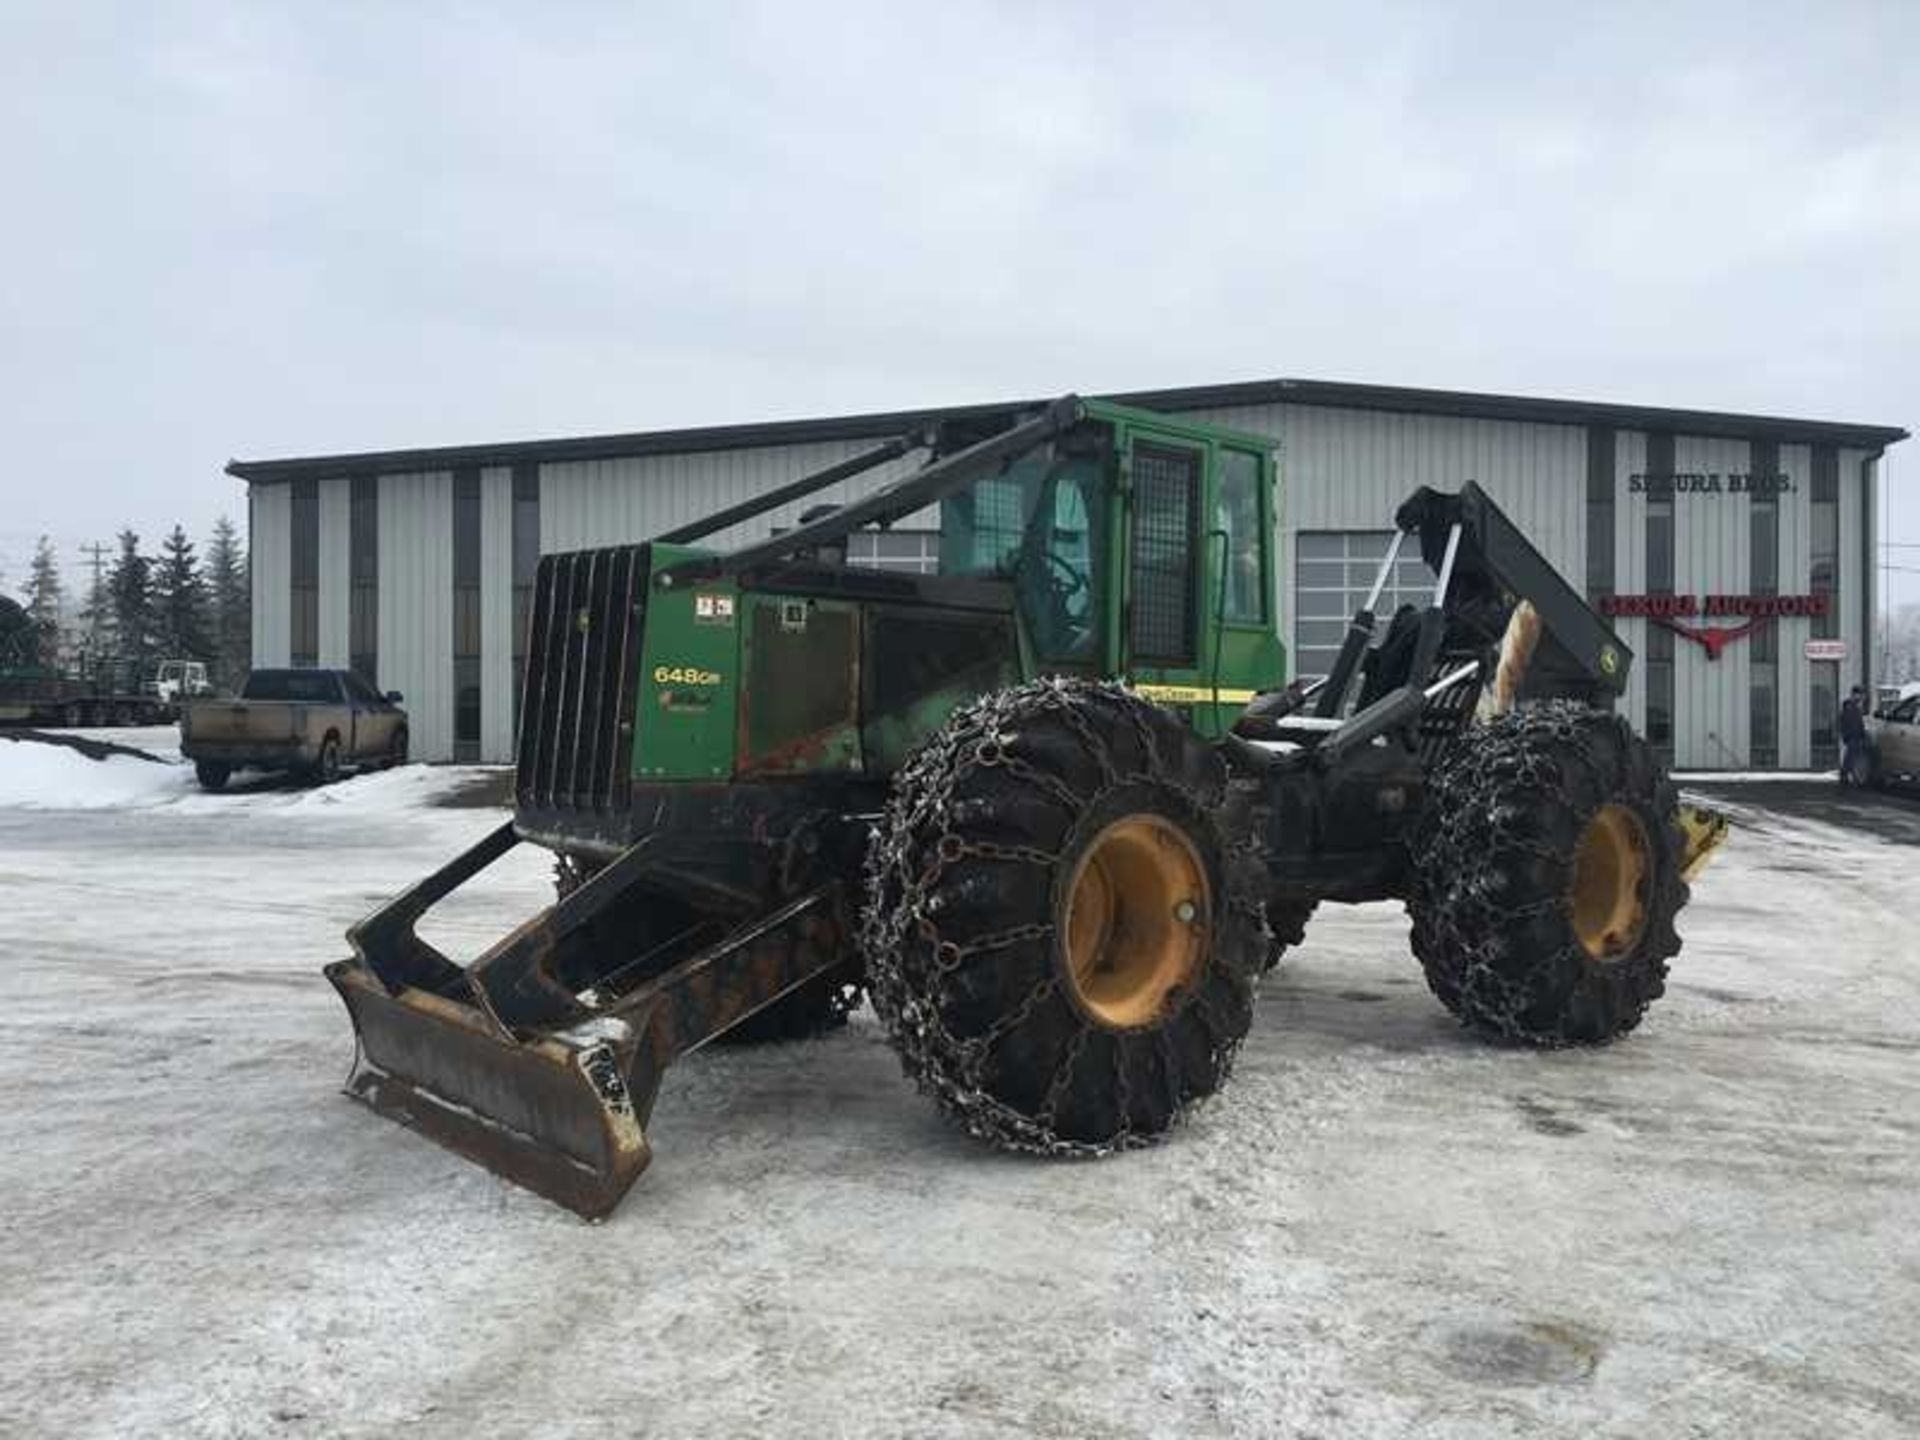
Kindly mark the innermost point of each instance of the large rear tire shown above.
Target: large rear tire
(1547, 877)
(212, 774)
(1061, 935)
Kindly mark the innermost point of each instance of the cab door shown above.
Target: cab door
(1178, 557)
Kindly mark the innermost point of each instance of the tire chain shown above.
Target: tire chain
(1524, 751)
(903, 907)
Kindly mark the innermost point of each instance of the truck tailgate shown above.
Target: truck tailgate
(218, 722)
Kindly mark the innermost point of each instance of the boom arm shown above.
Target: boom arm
(1495, 571)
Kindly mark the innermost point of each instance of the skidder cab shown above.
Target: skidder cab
(1053, 807)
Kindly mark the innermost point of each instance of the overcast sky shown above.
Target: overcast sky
(266, 230)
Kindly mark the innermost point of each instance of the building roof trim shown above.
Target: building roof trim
(1328, 393)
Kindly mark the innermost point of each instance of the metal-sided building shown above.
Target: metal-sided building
(1734, 553)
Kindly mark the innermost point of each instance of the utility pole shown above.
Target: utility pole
(96, 554)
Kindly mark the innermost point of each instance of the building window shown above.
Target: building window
(303, 641)
(526, 561)
(1763, 572)
(363, 594)
(1824, 529)
(1659, 669)
(1601, 485)
(1824, 579)
(1824, 685)
(917, 551)
(466, 615)
(1333, 572)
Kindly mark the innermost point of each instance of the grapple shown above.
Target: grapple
(541, 1060)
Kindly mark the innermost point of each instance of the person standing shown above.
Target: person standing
(1854, 759)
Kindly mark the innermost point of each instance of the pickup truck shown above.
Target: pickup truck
(1893, 740)
(309, 721)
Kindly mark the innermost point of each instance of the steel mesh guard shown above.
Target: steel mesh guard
(1166, 484)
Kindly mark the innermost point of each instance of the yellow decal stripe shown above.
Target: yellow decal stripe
(1191, 694)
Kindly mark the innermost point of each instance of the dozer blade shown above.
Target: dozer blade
(1706, 831)
(553, 1114)
(545, 1085)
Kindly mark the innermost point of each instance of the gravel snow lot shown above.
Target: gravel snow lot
(1382, 1227)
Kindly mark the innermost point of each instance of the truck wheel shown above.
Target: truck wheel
(326, 769)
(211, 774)
(1547, 877)
(1061, 935)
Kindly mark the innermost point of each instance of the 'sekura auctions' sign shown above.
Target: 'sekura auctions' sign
(1711, 482)
(1666, 606)
(1755, 610)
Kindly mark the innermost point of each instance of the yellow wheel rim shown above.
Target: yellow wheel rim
(1138, 914)
(1607, 899)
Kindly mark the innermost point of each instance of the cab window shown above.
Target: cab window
(1037, 523)
(1237, 516)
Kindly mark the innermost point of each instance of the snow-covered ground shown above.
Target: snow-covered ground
(1382, 1227)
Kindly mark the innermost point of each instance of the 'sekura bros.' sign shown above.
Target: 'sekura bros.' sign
(1711, 482)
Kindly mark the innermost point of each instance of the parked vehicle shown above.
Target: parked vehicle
(102, 693)
(175, 682)
(315, 722)
(1893, 738)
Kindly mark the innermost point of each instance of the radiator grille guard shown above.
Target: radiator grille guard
(577, 702)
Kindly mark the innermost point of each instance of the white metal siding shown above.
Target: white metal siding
(336, 577)
(416, 605)
(270, 564)
(584, 503)
(496, 615)
(1351, 469)
(1340, 470)
(1712, 551)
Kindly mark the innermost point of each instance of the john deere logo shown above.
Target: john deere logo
(583, 622)
(1609, 660)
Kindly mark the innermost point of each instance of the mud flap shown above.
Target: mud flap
(555, 1114)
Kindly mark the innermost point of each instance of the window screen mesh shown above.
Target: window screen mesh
(1166, 485)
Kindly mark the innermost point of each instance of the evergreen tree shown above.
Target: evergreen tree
(130, 589)
(230, 604)
(43, 592)
(180, 601)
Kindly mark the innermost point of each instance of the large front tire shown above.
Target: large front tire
(1547, 877)
(1060, 934)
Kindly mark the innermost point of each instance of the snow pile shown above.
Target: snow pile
(38, 776)
(380, 792)
(1752, 777)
